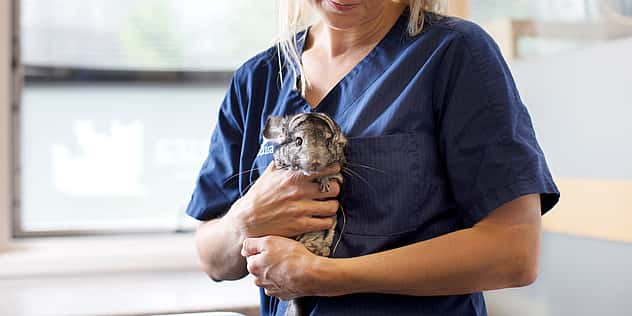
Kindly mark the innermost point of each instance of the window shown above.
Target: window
(118, 103)
(549, 27)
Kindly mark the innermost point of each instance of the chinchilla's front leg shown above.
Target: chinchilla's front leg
(324, 181)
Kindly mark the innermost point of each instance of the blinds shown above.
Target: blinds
(182, 35)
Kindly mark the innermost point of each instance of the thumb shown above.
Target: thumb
(271, 167)
(252, 246)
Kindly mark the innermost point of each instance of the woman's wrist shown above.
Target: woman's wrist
(236, 219)
(233, 224)
(331, 277)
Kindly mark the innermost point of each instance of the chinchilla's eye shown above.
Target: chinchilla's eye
(299, 141)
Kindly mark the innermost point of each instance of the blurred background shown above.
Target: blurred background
(115, 100)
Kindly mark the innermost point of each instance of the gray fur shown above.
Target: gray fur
(308, 142)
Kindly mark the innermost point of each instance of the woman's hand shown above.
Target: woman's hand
(283, 267)
(285, 203)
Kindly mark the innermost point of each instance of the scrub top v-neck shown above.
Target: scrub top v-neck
(438, 139)
(343, 84)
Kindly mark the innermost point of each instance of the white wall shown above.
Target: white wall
(5, 138)
(581, 103)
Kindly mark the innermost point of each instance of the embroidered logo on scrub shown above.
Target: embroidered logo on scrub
(265, 149)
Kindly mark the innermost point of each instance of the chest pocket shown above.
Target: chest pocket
(385, 189)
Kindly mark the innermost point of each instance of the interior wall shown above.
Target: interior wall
(5, 119)
(581, 112)
(460, 8)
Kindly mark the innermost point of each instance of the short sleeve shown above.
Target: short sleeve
(486, 137)
(214, 193)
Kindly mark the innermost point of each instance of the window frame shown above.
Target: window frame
(5, 118)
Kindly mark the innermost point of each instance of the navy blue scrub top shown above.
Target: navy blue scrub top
(437, 118)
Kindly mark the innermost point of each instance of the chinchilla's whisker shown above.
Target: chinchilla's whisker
(365, 166)
(346, 171)
(248, 187)
(240, 173)
(351, 173)
(342, 230)
(356, 174)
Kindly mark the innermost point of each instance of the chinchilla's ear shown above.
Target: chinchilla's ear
(342, 140)
(275, 129)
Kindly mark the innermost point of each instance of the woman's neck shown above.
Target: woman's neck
(336, 42)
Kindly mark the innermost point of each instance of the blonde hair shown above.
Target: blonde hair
(294, 16)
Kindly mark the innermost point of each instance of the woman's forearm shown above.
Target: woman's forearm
(219, 244)
(492, 255)
(458, 263)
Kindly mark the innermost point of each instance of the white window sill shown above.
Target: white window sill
(140, 293)
(88, 255)
(123, 275)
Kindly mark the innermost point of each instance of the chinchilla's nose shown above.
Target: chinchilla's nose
(315, 164)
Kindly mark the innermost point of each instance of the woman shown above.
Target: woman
(447, 202)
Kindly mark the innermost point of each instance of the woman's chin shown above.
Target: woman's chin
(345, 15)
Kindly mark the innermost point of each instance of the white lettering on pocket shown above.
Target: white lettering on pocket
(265, 149)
